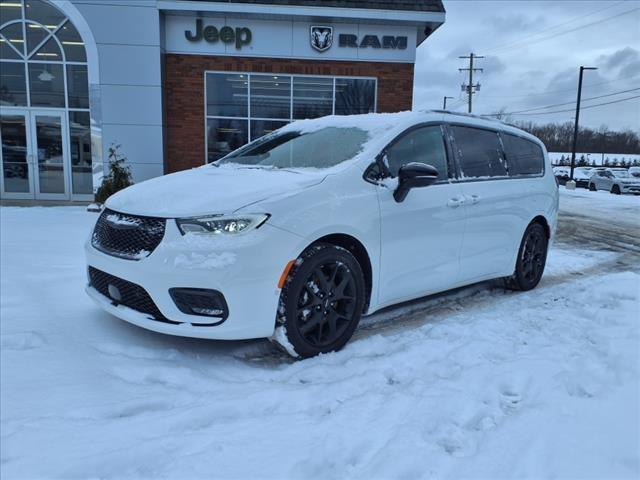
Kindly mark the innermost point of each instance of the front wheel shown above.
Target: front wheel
(532, 257)
(321, 302)
(615, 189)
(592, 187)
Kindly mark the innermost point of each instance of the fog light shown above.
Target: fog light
(200, 301)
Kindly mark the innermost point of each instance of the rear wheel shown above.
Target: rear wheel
(321, 302)
(615, 189)
(592, 187)
(532, 257)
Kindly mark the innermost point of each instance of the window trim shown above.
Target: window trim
(249, 118)
(498, 132)
(451, 167)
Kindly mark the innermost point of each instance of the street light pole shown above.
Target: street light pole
(444, 103)
(575, 128)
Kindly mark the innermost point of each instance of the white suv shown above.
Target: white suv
(614, 180)
(297, 234)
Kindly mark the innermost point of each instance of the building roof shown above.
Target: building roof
(411, 5)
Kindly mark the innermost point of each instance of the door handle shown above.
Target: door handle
(456, 202)
(474, 199)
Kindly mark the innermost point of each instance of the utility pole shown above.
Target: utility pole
(444, 103)
(575, 128)
(470, 88)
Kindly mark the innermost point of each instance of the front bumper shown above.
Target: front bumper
(245, 269)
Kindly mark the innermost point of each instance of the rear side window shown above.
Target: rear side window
(524, 157)
(479, 153)
(422, 145)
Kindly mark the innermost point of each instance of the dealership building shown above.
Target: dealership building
(179, 83)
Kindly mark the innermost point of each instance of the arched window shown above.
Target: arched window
(43, 65)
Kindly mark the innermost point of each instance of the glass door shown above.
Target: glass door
(17, 175)
(34, 155)
(49, 155)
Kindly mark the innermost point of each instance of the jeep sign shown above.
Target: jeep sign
(240, 36)
(226, 35)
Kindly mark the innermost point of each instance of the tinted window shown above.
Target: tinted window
(224, 136)
(270, 96)
(422, 145)
(355, 96)
(524, 157)
(312, 97)
(227, 95)
(479, 153)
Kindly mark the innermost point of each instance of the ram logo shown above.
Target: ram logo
(321, 38)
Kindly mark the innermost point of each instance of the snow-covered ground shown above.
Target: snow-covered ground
(478, 383)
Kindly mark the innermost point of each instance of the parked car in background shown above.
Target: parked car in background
(614, 180)
(562, 174)
(297, 234)
(581, 175)
(634, 172)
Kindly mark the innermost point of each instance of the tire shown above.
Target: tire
(532, 257)
(592, 187)
(321, 302)
(615, 190)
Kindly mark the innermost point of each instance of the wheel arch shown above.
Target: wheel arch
(542, 221)
(358, 250)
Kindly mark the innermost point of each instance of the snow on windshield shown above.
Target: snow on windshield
(322, 148)
(336, 139)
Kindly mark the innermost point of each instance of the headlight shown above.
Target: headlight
(221, 224)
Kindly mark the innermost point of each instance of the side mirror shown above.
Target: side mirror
(414, 175)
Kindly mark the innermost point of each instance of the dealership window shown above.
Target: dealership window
(241, 107)
(43, 65)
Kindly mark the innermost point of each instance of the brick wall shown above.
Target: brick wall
(184, 93)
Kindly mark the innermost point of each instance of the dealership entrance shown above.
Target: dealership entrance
(45, 130)
(35, 155)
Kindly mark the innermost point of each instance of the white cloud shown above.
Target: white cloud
(533, 51)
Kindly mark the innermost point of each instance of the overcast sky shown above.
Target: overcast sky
(525, 69)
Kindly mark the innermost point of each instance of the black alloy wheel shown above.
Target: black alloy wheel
(322, 300)
(615, 189)
(592, 187)
(532, 258)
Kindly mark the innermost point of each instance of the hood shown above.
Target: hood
(210, 189)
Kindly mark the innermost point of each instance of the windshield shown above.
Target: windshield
(322, 148)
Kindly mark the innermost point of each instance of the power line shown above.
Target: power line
(560, 91)
(553, 27)
(543, 39)
(570, 103)
(563, 111)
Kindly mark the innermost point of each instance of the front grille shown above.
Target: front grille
(127, 236)
(123, 292)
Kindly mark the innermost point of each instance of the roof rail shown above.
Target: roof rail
(463, 114)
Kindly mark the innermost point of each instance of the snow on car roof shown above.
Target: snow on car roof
(383, 127)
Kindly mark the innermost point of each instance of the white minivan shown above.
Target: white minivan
(298, 234)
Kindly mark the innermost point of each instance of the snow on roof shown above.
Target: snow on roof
(382, 127)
